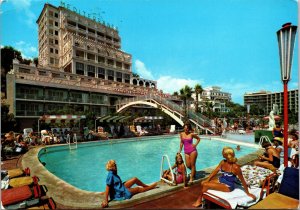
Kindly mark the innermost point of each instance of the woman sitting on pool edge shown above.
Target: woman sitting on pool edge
(230, 171)
(117, 190)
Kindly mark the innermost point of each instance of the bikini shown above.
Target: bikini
(227, 178)
(188, 146)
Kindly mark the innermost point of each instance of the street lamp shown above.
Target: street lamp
(286, 41)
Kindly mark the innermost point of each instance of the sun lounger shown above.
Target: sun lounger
(21, 197)
(22, 181)
(18, 172)
(260, 182)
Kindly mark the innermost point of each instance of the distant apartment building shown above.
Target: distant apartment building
(80, 66)
(266, 99)
(214, 95)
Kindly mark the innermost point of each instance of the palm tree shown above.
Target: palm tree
(185, 95)
(198, 90)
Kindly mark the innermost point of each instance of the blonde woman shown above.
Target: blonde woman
(230, 171)
(117, 190)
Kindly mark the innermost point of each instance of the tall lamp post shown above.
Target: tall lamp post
(286, 41)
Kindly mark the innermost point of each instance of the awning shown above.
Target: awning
(148, 118)
(66, 118)
(116, 118)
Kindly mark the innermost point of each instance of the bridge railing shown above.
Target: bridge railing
(198, 118)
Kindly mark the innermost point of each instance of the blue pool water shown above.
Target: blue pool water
(84, 167)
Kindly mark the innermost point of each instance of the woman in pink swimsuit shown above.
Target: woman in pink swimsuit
(190, 151)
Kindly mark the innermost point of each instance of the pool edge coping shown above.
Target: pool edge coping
(72, 197)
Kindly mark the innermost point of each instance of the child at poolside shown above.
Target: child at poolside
(180, 174)
(117, 190)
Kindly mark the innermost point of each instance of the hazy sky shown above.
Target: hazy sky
(227, 43)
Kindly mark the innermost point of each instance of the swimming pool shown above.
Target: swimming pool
(84, 167)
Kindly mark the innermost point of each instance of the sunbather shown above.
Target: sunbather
(230, 171)
(117, 190)
(271, 160)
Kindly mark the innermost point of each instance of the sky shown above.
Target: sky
(227, 43)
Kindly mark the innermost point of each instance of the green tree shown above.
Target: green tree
(185, 95)
(8, 53)
(198, 91)
(8, 121)
(135, 75)
(175, 93)
(36, 61)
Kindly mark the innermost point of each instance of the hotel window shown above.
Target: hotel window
(56, 51)
(127, 78)
(91, 71)
(51, 13)
(110, 74)
(56, 33)
(101, 59)
(56, 23)
(101, 73)
(79, 68)
(51, 60)
(56, 15)
(119, 77)
(51, 50)
(127, 66)
(56, 41)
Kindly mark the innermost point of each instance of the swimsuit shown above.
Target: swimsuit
(179, 176)
(227, 178)
(278, 132)
(275, 162)
(188, 146)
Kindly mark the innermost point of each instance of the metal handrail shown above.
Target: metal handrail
(162, 171)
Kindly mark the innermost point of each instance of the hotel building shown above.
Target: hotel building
(80, 67)
(214, 95)
(266, 99)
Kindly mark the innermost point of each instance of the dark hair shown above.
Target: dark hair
(188, 125)
(265, 144)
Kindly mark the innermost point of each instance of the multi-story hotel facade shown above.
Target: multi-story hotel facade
(214, 95)
(266, 100)
(80, 66)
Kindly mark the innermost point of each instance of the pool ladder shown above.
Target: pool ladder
(162, 170)
(264, 139)
(74, 144)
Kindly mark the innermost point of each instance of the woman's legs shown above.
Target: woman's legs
(211, 185)
(129, 183)
(136, 190)
(193, 158)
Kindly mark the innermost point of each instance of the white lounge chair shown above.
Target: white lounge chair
(172, 129)
(238, 198)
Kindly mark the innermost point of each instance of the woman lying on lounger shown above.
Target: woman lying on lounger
(230, 171)
(117, 190)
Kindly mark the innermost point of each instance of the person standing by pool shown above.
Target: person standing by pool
(117, 190)
(190, 150)
(230, 171)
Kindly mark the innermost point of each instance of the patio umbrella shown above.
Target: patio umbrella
(276, 117)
